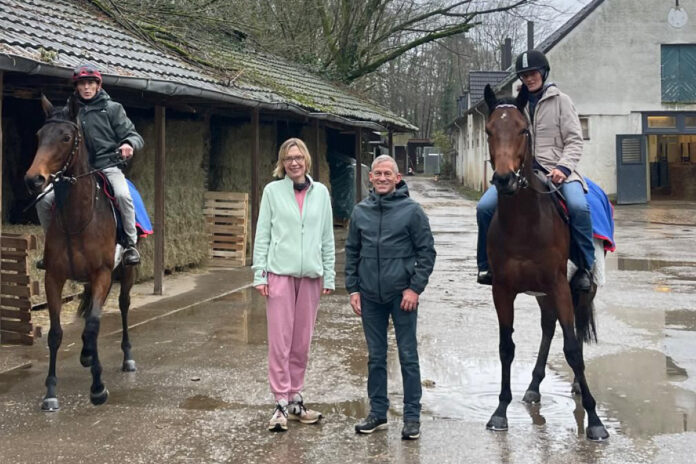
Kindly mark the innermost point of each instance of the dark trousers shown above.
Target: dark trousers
(375, 319)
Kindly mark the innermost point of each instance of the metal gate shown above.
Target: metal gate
(631, 169)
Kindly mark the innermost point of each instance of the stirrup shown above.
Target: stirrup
(41, 265)
(484, 277)
(131, 257)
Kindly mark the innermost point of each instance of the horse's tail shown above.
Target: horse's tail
(583, 305)
(85, 307)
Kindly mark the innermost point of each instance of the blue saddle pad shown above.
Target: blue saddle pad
(142, 220)
(602, 213)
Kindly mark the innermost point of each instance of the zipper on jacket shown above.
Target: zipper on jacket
(379, 240)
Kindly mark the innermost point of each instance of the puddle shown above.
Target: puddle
(642, 264)
(204, 403)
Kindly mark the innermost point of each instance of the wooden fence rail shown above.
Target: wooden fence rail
(16, 288)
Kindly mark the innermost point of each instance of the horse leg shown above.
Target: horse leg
(571, 349)
(548, 327)
(575, 387)
(100, 289)
(54, 288)
(127, 280)
(504, 305)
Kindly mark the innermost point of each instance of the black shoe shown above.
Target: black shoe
(582, 280)
(411, 430)
(485, 278)
(131, 257)
(370, 424)
(41, 265)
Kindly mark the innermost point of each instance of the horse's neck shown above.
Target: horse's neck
(80, 195)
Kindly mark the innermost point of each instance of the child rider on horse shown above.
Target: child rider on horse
(107, 130)
(557, 147)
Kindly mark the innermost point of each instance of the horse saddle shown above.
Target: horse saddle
(559, 200)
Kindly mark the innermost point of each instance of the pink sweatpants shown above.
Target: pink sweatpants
(291, 310)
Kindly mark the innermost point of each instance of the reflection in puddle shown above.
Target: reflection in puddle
(645, 264)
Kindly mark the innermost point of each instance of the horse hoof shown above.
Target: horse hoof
(497, 424)
(531, 397)
(85, 360)
(597, 433)
(100, 398)
(50, 405)
(129, 366)
(575, 389)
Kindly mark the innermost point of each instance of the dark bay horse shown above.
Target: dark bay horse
(80, 243)
(528, 249)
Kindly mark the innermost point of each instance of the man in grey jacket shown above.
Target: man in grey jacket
(390, 254)
(108, 132)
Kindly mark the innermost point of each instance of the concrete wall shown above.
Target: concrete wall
(610, 65)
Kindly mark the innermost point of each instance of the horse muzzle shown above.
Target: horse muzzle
(35, 184)
(507, 184)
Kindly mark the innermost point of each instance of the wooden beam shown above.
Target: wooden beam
(358, 165)
(391, 144)
(160, 118)
(317, 156)
(255, 153)
(2, 78)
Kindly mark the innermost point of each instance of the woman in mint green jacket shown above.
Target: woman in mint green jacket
(293, 265)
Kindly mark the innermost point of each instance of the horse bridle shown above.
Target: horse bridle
(519, 177)
(60, 174)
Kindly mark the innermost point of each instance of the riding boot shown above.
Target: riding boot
(41, 265)
(484, 277)
(582, 280)
(131, 257)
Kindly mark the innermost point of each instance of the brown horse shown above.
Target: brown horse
(528, 248)
(80, 243)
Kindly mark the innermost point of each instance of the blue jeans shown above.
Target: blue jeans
(582, 248)
(375, 319)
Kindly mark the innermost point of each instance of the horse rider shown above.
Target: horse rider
(557, 146)
(107, 130)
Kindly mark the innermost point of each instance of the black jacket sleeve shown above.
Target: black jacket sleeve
(424, 245)
(353, 255)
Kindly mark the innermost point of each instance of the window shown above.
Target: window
(662, 122)
(585, 125)
(678, 71)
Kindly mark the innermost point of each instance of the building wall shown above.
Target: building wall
(610, 65)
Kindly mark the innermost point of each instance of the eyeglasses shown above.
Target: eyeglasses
(290, 159)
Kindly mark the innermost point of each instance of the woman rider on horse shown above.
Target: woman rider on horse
(107, 130)
(557, 146)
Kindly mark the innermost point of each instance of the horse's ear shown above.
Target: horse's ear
(73, 108)
(522, 98)
(489, 96)
(47, 106)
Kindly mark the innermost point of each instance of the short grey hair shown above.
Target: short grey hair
(382, 159)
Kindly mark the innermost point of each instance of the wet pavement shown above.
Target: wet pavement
(201, 395)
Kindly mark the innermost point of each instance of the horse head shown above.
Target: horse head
(58, 145)
(508, 139)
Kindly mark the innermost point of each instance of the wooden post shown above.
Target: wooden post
(358, 166)
(255, 151)
(2, 76)
(391, 143)
(160, 118)
(317, 157)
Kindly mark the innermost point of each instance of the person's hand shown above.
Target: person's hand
(263, 289)
(327, 291)
(409, 302)
(557, 176)
(355, 303)
(126, 151)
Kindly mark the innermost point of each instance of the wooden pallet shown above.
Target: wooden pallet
(226, 215)
(16, 288)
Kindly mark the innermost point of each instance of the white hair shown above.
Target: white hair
(384, 159)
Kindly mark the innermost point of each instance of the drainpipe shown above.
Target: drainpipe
(458, 144)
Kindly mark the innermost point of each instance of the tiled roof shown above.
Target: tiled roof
(54, 36)
(479, 79)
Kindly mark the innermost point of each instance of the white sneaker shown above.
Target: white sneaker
(279, 420)
(298, 412)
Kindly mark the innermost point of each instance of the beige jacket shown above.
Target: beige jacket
(556, 133)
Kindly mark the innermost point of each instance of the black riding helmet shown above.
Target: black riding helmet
(532, 60)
